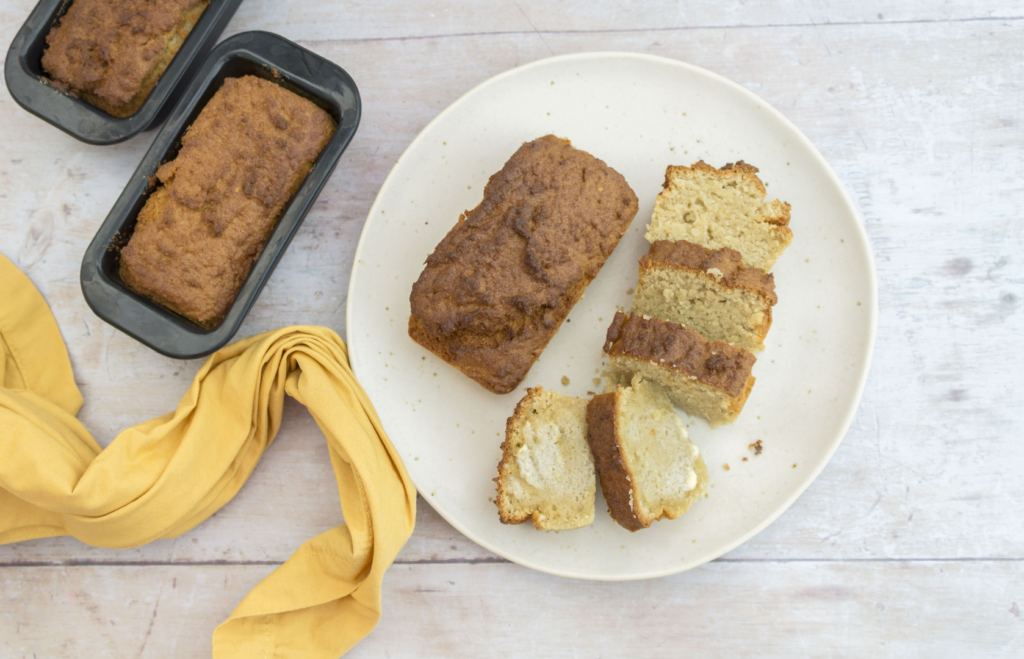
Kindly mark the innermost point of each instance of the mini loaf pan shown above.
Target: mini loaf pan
(262, 54)
(32, 89)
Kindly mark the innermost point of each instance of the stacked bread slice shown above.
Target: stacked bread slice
(708, 290)
(704, 298)
(710, 380)
(720, 208)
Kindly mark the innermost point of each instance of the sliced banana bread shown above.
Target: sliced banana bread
(648, 466)
(708, 290)
(546, 473)
(710, 380)
(721, 208)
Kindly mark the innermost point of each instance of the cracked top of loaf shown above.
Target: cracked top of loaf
(108, 51)
(218, 201)
(498, 286)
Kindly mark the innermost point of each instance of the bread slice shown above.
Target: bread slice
(708, 290)
(546, 473)
(648, 466)
(710, 380)
(721, 208)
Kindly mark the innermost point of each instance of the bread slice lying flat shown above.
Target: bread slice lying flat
(648, 466)
(721, 208)
(708, 290)
(546, 473)
(707, 379)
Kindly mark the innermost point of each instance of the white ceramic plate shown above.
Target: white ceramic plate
(637, 113)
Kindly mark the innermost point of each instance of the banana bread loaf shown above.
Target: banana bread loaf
(218, 201)
(498, 286)
(112, 52)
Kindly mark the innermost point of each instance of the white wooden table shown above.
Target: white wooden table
(910, 543)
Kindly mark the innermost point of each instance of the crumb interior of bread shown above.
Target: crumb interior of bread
(720, 211)
(696, 300)
(662, 458)
(684, 390)
(551, 476)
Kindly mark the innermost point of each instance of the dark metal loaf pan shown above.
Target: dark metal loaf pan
(262, 54)
(30, 87)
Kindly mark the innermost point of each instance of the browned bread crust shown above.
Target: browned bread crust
(615, 475)
(498, 286)
(626, 482)
(112, 52)
(685, 255)
(546, 474)
(506, 513)
(672, 346)
(240, 163)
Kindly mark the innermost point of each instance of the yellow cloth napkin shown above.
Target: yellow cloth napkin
(163, 477)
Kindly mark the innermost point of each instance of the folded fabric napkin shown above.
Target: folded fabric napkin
(165, 476)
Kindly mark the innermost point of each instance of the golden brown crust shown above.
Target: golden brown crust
(500, 283)
(762, 328)
(112, 52)
(484, 364)
(670, 345)
(749, 172)
(240, 162)
(612, 469)
(737, 403)
(684, 255)
(506, 515)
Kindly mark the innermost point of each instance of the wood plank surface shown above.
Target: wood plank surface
(773, 609)
(910, 542)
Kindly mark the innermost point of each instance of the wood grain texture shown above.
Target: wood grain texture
(805, 609)
(910, 540)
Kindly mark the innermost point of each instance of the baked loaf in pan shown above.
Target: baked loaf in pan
(112, 52)
(721, 208)
(648, 466)
(708, 290)
(711, 380)
(498, 286)
(218, 201)
(546, 473)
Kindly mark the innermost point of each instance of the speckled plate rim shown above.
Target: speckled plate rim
(863, 243)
